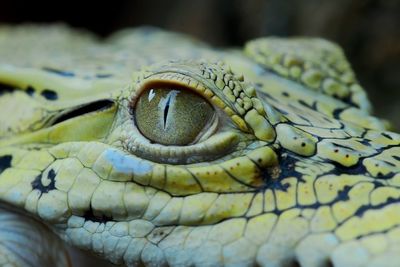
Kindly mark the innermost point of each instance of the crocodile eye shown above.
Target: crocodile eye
(172, 116)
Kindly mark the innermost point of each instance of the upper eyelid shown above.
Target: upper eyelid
(175, 79)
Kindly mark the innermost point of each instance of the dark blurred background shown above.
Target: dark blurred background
(368, 30)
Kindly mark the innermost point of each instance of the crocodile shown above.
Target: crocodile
(151, 148)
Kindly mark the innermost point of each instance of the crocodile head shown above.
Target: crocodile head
(263, 157)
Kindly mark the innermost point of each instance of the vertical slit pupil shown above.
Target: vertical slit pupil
(166, 109)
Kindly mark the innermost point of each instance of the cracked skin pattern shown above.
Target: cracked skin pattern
(296, 172)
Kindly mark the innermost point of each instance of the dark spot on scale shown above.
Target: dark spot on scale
(30, 90)
(285, 94)
(303, 144)
(389, 163)
(387, 136)
(37, 183)
(102, 76)
(347, 155)
(336, 150)
(59, 72)
(5, 162)
(303, 103)
(364, 142)
(49, 94)
(259, 160)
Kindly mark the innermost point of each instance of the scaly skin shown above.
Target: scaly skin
(297, 173)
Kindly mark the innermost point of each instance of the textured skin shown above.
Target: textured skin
(298, 174)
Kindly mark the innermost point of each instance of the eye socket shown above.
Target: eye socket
(171, 116)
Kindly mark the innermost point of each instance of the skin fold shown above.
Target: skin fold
(286, 168)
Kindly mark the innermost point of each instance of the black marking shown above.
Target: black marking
(396, 158)
(283, 112)
(59, 72)
(91, 107)
(286, 169)
(343, 146)
(89, 216)
(314, 106)
(387, 136)
(387, 176)
(276, 184)
(389, 163)
(5, 162)
(304, 118)
(49, 94)
(336, 112)
(37, 183)
(302, 102)
(348, 100)
(343, 195)
(102, 76)
(363, 209)
(285, 94)
(30, 90)
(356, 169)
(288, 165)
(5, 88)
(365, 142)
(364, 133)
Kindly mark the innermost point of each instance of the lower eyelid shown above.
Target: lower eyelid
(215, 147)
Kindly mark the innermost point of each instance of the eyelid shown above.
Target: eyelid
(210, 150)
(183, 82)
